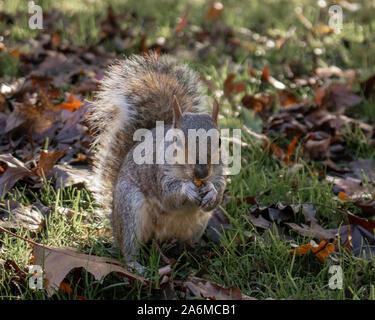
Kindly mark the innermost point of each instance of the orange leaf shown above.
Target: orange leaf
(301, 249)
(65, 287)
(215, 11)
(230, 87)
(290, 150)
(265, 73)
(274, 149)
(56, 39)
(323, 254)
(238, 87)
(72, 104)
(321, 251)
(343, 196)
(287, 98)
(183, 22)
(323, 29)
(319, 95)
(15, 53)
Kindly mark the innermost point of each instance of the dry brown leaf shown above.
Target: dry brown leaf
(367, 207)
(39, 119)
(231, 87)
(67, 175)
(215, 10)
(315, 230)
(13, 170)
(368, 224)
(210, 290)
(368, 86)
(317, 150)
(338, 97)
(47, 161)
(287, 98)
(57, 262)
(262, 103)
(15, 215)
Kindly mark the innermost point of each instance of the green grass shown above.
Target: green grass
(261, 266)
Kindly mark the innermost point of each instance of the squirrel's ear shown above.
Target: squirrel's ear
(177, 113)
(215, 110)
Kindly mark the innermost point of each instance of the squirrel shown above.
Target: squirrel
(151, 201)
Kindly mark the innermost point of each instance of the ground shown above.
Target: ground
(278, 52)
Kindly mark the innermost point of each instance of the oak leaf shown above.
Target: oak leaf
(72, 104)
(57, 262)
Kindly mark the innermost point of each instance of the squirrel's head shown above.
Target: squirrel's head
(201, 142)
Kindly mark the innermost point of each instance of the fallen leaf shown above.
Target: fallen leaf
(65, 287)
(215, 10)
(183, 22)
(322, 29)
(210, 290)
(31, 217)
(47, 161)
(321, 251)
(263, 103)
(57, 262)
(287, 98)
(358, 240)
(314, 230)
(317, 150)
(67, 175)
(338, 97)
(290, 150)
(231, 87)
(13, 170)
(343, 196)
(367, 207)
(367, 224)
(72, 104)
(259, 222)
(367, 86)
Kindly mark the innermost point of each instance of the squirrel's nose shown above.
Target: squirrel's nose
(200, 171)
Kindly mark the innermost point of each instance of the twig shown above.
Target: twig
(22, 238)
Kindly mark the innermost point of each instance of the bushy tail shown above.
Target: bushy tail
(135, 93)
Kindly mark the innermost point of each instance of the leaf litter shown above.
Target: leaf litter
(44, 131)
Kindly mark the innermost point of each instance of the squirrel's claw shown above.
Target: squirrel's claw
(192, 192)
(209, 197)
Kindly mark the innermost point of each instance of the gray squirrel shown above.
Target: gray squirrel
(151, 201)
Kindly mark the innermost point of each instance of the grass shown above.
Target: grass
(261, 266)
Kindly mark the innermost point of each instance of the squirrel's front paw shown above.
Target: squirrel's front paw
(191, 191)
(209, 197)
